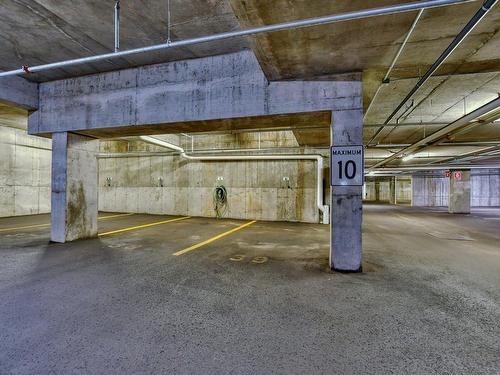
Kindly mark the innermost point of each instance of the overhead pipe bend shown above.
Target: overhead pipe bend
(324, 209)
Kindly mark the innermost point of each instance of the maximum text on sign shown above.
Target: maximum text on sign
(347, 165)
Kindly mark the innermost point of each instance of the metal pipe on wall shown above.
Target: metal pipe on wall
(394, 9)
(325, 209)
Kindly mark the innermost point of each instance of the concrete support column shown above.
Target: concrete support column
(459, 193)
(346, 201)
(74, 187)
(392, 191)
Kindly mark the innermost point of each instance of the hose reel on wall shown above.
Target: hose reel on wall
(220, 200)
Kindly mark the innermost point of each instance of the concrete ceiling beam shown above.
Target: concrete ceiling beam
(19, 92)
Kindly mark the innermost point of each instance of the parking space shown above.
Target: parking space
(263, 291)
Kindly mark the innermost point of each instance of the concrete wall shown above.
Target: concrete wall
(403, 190)
(432, 190)
(256, 190)
(24, 173)
(485, 188)
(369, 191)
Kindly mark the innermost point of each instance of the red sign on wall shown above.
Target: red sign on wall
(457, 176)
(447, 174)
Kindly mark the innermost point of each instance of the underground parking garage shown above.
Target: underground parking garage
(249, 187)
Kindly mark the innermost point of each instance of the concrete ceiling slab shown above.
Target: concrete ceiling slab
(361, 44)
(36, 32)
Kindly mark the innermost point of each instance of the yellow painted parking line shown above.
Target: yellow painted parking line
(48, 225)
(113, 216)
(142, 226)
(210, 240)
(25, 227)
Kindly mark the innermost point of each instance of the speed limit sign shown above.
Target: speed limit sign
(347, 166)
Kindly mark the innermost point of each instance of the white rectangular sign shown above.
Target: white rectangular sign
(347, 166)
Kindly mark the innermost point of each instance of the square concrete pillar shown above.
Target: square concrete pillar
(459, 193)
(74, 187)
(346, 201)
(392, 191)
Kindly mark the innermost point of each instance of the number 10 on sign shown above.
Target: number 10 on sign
(347, 165)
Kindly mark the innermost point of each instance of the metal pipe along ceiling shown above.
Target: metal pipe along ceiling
(387, 76)
(401, 8)
(443, 132)
(476, 18)
(435, 167)
(318, 158)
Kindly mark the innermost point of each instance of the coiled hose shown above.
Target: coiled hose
(220, 201)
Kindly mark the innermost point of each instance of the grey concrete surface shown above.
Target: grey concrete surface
(432, 189)
(19, 92)
(346, 211)
(163, 98)
(427, 303)
(173, 186)
(24, 173)
(74, 194)
(459, 192)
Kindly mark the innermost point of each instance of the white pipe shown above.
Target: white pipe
(359, 14)
(394, 60)
(433, 168)
(319, 181)
(443, 132)
(473, 22)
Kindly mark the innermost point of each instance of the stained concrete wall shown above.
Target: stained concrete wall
(24, 173)
(168, 184)
(383, 185)
(485, 188)
(403, 190)
(256, 190)
(432, 190)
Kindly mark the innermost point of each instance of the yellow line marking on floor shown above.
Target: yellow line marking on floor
(25, 227)
(210, 240)
(142, 226)
(48, 225)
(113, 216)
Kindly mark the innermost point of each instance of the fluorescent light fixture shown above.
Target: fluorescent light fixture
(408, 157)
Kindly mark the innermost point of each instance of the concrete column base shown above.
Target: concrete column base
(459, 194)
(74, 187)
(346, 223)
